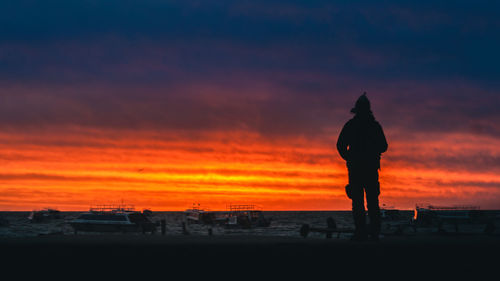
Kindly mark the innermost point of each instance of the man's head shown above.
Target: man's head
(362, 105)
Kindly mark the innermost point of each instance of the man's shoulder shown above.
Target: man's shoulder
(377, 124)
(350, 122)
(347, 126)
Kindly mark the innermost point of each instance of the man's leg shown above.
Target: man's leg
(358, 212)
(372, 193)
(358, 204)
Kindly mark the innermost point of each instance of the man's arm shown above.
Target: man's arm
(342, 143)
(382, 140)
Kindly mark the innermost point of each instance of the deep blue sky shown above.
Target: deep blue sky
(435, 62)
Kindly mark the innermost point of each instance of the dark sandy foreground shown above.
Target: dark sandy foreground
(397, 257)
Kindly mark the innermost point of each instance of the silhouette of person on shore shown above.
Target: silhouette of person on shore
(360, 144)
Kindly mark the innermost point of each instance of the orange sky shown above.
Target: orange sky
(74, 169)
(163, 104)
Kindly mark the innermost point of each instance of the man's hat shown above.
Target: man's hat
(362, 104)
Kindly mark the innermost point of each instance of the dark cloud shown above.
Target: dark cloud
(389, 40)
(273, 67)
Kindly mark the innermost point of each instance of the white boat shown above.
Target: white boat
(427, 214)
(246, 216)
(193, 215)
(110, 218)
(198, 215)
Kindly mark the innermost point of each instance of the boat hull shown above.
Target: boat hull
(96, 227)
(124, 228)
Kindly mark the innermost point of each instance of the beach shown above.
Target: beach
(422, 255)
(52, 248)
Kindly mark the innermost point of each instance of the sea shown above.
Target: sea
(283, 223)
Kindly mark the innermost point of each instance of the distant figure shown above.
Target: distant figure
(360, 143)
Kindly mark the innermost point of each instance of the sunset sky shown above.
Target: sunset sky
(163, 104)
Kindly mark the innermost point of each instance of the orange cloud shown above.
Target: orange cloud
(164, 172)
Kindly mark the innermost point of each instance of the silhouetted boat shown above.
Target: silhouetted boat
(109, 218)
(389, 213)
(426, 214)
(147, 212)
(246, 216)
(44, 215)
(198, 215)
(237, 216)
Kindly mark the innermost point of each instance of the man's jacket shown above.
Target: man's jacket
(362, 141)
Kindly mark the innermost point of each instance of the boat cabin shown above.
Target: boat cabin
(107, 218)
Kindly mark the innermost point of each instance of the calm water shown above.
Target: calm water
(283, 224)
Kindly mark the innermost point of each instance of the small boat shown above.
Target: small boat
(44, 215)
(147, 212)
(110, 218)
(246, 216)
(389, 213)
(198, 215)
(427, 214)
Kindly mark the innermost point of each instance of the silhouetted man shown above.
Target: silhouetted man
(360, 143)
